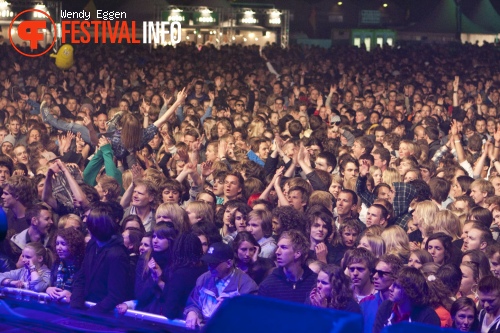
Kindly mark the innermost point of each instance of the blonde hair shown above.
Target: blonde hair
(178, 216)
(396, 241)
(449, 223)
(127, 178)
(376, 243)
(321, 198)
(391, 176)
(336, 178)
(427, 211)
(256, 128)
(63, 220)
(201, 209)
(297, 181)
(155, 176)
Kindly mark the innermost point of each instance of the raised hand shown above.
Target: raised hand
(364, 168)
(496, 136)
(6, 84)
(333, 89)
(181, 96)
(222, 149)
(181, 155)
(206, 168)
(456, 82)
(196, 145)
(104, 93)
(137, 172)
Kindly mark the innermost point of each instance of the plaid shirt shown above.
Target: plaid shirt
(403, 220)
(119, 149)
(404, 195)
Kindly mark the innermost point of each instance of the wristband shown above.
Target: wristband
(457, 141)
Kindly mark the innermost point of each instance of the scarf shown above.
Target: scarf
(65, 275)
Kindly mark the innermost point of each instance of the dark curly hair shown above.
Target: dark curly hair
(413, 282)
(341, 290)
(187, 251)
(76, 244)
(289, 219)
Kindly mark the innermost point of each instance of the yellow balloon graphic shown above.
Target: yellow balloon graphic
(64, 57)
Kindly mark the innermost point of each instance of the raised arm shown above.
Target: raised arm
(181, 97)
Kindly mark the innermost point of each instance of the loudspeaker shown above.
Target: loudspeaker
(251, 314)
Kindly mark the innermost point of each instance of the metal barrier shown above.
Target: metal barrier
(28, 296)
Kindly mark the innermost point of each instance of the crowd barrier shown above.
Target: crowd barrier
(28, 296)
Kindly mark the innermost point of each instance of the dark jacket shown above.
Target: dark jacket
(433, 148)
(494, 329)
(176, 292)
(420, 314)
(276, 285)
(147, 291)
(104, 276)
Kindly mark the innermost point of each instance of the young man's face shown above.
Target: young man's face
(374, 217)
(359, 274)
(255, 228)
(4, 174)
(232, 187)
(349, 237)
(382, 278)
(490, 302)
(477, 195)
(14, 127)
(344, 203)
(495, 264)
(295, 200)
(285, 254)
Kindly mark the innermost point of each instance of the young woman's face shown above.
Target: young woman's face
(335, 189)
(468, 282)
(204, 243)
(145, 245)
(436, 249)
(363, 243)
(413, 261)
(323, 285)
(246, 251)
(377, 177)
(133, 224)
(62, 248)
(159, 244)
(29, 257)
(464, 318)
(456, 190)
(409, 176)
(227, 215)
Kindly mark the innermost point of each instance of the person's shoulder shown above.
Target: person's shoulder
(276, 275)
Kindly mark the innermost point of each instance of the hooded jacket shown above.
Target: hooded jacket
(104, 276)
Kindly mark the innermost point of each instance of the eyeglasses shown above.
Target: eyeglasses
(381, 273)
(239, 104)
